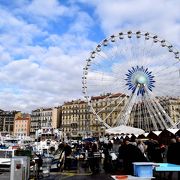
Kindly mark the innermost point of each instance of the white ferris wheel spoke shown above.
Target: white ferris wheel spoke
(168, 119)
(157, 112)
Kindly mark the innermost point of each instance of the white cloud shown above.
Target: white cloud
(159, 17)
(41, 63)
(48, 8)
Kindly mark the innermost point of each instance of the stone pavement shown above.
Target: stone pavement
(75, 176)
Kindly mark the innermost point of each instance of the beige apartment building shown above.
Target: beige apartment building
(7, 121)
(75, 118)
(172, 107)
(78, 119)
(108, 108)
(22, 124)
(45, 117)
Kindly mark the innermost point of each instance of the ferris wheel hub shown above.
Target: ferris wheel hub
(141, 80)
(139, 77)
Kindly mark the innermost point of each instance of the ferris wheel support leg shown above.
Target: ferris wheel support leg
(128, 108)
(114, 109)
(98, 118)
(156, 112)
(168, 119)
(150, 111)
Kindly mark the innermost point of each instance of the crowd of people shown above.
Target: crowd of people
(117, 155)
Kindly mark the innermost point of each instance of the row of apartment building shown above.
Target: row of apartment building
(74, 117)
(23, 124)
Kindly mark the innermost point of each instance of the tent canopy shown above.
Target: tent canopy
(173, 131)
(122, 129)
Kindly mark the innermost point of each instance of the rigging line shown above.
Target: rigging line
(174, 88)
(107, 88)
(133, 114)
(164, 105)
(161, 78)
(93, 79)
(131, 51)
(131, 118)
(173, 84)
(166, 91)
(102, 55)
(112, 94)
(139, 47)
(161, 58)
(104, 83)
(156, 112)
(91, 70)
(164, 112)
(167, 67)
(128, 55)
(171, 70)
(104, 52)
(159, 113)
(140, 58)
(99, 118)
(149, 50)
(138, 116)
(120, 113)
(167, 76)
(142, 51)
(113, 79)
(118, 47)
(113, 109)
(95, 65)
(145, 114)
(141, 115)
(133, 56)
(153, 109)
(110, 53)
(128, 109)
(112, 102)
(152, 117)
(166, 59)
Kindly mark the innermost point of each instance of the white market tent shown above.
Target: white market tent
(173, 131)
(122, 129)
(157, 133)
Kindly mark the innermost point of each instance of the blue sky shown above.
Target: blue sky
(44, 43)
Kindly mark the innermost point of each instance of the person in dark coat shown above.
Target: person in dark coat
(68, 151)
(107, 165)
(39, 162)
(131, 154)
(154, 151)
(177, 151)
(171, 157)
(110, 145)
(93, 159)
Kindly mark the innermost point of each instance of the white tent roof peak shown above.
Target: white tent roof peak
(122, 129)
(173, 131)
(157, 132)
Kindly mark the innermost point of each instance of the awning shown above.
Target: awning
(122, 129)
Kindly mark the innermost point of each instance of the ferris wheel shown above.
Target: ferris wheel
(132, 74)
